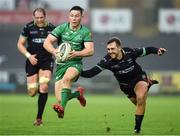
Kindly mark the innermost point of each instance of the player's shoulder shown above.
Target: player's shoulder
(85, 28)
(127, 49)
(51, 25)
(61, 27)
(29, 24)
(107, 58)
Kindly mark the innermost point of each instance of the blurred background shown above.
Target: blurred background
(139, 23)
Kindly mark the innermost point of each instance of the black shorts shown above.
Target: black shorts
(129, 88)
(44, 65)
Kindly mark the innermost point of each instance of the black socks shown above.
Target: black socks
(41, 104)
(138, 121)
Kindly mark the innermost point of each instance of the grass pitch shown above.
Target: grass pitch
(103, 115)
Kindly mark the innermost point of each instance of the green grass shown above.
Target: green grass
(17, 113)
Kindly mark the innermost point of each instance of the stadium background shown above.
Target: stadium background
(138, 24)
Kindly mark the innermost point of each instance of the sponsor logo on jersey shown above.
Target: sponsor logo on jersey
(33, 32)
(127, 70)
(38, 40)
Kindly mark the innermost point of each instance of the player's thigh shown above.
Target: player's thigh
(141, 89)
(32, 79)
(45, 73)
(71, 74)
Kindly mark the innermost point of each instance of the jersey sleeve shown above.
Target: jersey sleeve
(91, 72)
(58, 30)
(140, 52)
(88, 36)
(24, 32)
(103, 63)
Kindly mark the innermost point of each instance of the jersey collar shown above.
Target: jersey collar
(45, 25)
(76, 29)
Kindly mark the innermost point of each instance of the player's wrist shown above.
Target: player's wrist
(27, 54)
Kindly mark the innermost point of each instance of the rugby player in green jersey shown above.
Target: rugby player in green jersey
(67, 72)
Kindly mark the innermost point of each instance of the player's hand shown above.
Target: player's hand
(55, 53)
(73, 54)
(161, 51)
(33, 60)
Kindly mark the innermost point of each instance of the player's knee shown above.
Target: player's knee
(32, 92)
(43, 88)
(66, 80)
(43, 81)
(140, 100)
(32, 89)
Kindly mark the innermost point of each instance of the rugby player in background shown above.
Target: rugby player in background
(39, 63)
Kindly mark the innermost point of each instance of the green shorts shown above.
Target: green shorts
(61, 69)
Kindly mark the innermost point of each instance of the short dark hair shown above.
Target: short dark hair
(40, 10)
(116, 40)
(77, 8)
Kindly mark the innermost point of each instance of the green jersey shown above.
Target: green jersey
(75, 38)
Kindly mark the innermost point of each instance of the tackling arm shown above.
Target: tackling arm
(91, 72)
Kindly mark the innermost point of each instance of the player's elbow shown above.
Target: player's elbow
(45, 44)
(91, 52)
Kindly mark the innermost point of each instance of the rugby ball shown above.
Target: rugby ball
(63, 52)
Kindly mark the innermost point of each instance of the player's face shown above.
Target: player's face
(39, 18)
(113, 50)
(75, 17)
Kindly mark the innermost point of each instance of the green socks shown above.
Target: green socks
(74, 95)
(65, 94)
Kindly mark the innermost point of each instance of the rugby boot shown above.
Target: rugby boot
(81, 98)
(137, 131)
(38, 122)
(59, 110)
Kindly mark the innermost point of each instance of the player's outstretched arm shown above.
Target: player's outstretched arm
(161, 51)
(91, 72)
(149, 50)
